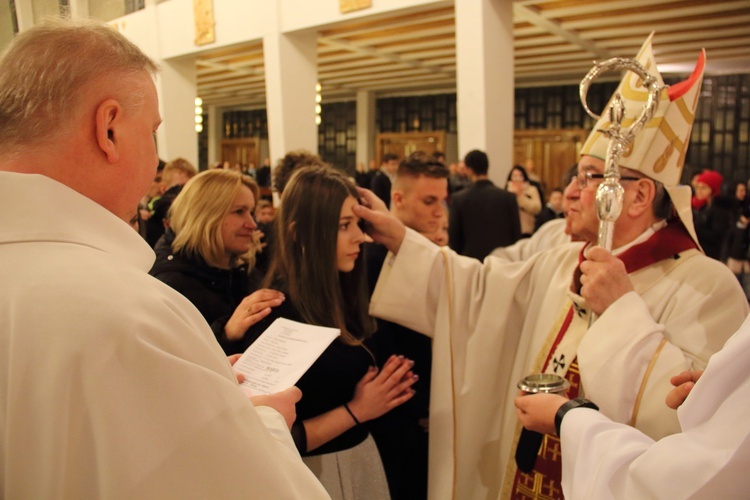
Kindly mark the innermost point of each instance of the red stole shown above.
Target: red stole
(545, 481)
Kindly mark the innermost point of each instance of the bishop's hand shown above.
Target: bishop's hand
(603, 279)
(380, 224)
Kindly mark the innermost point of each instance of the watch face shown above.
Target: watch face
(544, 382)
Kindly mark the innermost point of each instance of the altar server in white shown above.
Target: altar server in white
(708, 459)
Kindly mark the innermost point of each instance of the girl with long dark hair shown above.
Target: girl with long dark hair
(318, 266)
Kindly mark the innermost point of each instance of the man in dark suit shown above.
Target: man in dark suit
(482, 216)
(381, 181)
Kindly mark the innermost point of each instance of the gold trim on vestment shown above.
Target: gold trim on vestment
(446, 263)
(554, 331)
(510, 469)
(642, 389)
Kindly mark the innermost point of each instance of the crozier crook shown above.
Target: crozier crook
(609, 194)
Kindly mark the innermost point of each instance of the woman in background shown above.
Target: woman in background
(529, 202)
(317, 265)
(712, 213)
(738, 238)
(207, 255)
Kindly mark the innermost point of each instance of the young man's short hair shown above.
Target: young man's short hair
(420, 163)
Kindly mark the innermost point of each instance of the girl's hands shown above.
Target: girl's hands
(378, 392)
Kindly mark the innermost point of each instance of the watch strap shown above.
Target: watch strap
(569, 405)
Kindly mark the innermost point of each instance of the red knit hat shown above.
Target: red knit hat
(712, 179)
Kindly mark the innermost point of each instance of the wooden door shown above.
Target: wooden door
(405, 143)
(552, 152)
(244, 151)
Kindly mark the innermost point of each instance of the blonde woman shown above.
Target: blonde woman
(208, 254)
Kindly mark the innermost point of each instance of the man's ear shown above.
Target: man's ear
(643, 197)
(397, 198)
(108, 120)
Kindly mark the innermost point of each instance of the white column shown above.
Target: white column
(291, 74)
(177, 92)
(485, 81)
(79, 8)
(6, 25)
(365, 127)
(24, 15)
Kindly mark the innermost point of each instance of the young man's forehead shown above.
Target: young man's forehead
(425, 183)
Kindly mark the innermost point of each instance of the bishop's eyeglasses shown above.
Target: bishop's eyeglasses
(583, 178)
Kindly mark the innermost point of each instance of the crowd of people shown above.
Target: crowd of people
(118, 345)
(721, 213)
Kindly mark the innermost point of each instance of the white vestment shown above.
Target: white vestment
(112, 384)
(550, 235)
(710, 458)
(490, 321)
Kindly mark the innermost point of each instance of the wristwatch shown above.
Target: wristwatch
(569, 405)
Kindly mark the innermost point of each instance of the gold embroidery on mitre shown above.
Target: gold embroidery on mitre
(686, 113)
(661, 161)
(629, 149)
(633, 146)
(632, 87)
(673, 142)
(654, 122)
(669, 134)
(634, 92)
